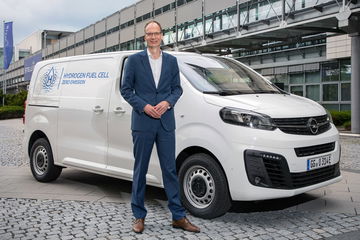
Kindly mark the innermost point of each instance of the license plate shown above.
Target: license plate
(318, 162)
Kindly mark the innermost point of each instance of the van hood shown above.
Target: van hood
(273, 105)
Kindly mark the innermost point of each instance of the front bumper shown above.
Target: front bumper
(271, 170)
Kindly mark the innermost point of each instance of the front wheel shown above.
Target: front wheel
(204, 190)
(42, 162)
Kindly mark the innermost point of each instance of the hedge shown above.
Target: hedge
(347, 125)
(340, 117)
(7, 112)
(17, 99)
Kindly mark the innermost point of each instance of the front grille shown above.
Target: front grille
(272, 171)
(316, 149)
(300, 126)
(304, 179)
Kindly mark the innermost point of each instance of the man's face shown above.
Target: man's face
(153, 35)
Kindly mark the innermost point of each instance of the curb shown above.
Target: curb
(349, 134)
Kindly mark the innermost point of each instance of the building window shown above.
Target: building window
(146, 16)
(345, 107)
(189, 29)
(198, 28)
(180, 2)
(345, 70)
(331, 106)
(169, 36)
(312, 77)
(345, 92)
(229, 19)
(313, 92)
(217, 24)
(127, 45)
(330, 71)
(209, 25)
(158, 11)
(281, 79)
(297, 90)
(180, 33)
(140, 43)
(296, 78)
(166, 8)
(330, 92)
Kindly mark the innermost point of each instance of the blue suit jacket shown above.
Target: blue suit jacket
(138, 89)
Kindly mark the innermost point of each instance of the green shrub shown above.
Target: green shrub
(17, 99)
(347, 125)
(340, 117)
(8, 112)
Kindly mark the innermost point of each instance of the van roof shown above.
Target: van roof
(108, 54)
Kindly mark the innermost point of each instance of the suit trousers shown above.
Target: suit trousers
(165, 144)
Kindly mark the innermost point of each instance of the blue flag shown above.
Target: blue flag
(8, 44)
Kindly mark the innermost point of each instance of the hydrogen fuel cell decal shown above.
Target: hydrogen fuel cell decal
(79, 78)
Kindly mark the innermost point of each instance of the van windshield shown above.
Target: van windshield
(218, 75)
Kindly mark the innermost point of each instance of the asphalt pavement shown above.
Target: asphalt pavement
(82, 205)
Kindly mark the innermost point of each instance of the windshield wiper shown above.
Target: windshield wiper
(223, 92)
(238, 92)
(266, 91)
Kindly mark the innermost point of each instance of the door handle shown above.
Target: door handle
(98, 109)
(118, 110)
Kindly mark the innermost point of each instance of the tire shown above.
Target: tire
(42, 162)
(203, 187)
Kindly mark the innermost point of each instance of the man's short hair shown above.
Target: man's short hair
(153, 21)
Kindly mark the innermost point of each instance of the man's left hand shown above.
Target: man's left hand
(162, 107)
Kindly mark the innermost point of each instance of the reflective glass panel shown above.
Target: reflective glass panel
(297, 90)
(330, 92)
(330, 71)
(345, 70)
(313, 92)
(312, 77)
(345, 92)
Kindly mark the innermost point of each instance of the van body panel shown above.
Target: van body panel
(83, 111)
(43, 119)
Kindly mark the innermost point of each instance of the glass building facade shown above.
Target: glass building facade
(197, 21)
(330, 85)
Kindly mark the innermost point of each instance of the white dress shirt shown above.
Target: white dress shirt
(155, 65)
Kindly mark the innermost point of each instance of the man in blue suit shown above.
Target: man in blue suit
(152, 87)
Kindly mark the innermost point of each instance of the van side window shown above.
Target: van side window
(123, 72)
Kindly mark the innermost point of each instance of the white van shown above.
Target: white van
(238, 136)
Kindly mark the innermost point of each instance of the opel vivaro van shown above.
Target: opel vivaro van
(238, 136)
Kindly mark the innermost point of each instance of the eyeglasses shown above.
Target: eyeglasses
(150, 34)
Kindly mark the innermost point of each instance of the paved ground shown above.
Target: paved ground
(87, 206)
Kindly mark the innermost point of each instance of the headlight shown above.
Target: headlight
(329, 117)
(247, 118)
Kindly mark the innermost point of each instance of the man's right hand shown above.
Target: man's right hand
(151, 111)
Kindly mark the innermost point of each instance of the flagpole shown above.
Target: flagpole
(4, 81)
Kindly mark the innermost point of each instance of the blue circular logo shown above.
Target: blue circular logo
(49, 79)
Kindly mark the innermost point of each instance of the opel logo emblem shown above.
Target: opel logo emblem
(313, 125)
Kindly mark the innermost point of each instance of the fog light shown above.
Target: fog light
(257, 180)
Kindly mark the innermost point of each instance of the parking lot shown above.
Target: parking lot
(82, 205)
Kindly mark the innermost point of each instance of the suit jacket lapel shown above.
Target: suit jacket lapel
(163, 68)
(146, 63)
